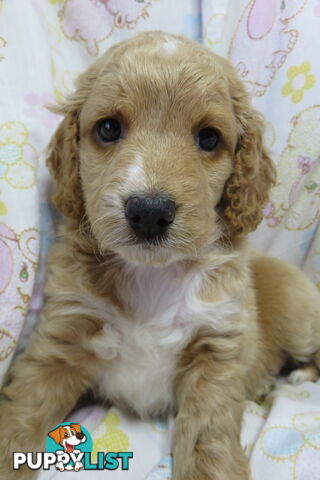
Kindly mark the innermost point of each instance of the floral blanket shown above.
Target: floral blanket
(44, 45)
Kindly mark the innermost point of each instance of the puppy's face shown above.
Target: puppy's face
(68, 436)
(157, 137)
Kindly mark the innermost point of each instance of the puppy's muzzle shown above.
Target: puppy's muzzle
(149, 216)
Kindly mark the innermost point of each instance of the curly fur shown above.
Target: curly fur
(247, 191)
(63, 163)
(191, 324)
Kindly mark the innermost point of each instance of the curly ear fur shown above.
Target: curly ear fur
(63, 164)
(245, 193)
(63, 158)
(247, 190)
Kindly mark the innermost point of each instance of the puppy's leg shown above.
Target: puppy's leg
(46, 383)
(289, 313)
(305, 373)
(210, 400)
(308, 372)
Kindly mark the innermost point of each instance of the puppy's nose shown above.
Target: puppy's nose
(150, 215)
(79, 435)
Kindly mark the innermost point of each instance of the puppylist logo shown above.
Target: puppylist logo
(69, 447)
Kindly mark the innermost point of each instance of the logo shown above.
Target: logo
(69, 447)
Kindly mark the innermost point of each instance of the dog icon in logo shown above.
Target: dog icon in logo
(68, 436)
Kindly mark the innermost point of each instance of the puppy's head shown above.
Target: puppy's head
(161, 152)
(68, 436)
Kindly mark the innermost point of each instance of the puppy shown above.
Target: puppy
(68, 437)
(153, 300)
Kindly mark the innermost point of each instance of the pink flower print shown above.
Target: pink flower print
(268, 213)
(305, 164)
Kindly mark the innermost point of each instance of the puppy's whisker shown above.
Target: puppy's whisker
(99, 219)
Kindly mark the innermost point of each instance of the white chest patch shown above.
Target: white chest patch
(141, 351)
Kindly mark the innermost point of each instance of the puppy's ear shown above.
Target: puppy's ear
(63, 163)
(55, 434)
(63, 158)
(76, 427)
(247, 190)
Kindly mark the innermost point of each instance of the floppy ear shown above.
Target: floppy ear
(55, 434)
(63, 158)
(247, 190)
(76, 427)
(63, 163)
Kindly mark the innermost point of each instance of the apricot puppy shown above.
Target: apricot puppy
(153, 300)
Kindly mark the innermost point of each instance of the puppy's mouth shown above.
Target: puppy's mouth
(151, 243)
(69, 447)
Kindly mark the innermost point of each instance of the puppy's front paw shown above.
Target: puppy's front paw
(78, 466)
(7, 473)
(225, 462)
(60, 466)
(13, 438)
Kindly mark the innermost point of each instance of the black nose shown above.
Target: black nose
(150, 215)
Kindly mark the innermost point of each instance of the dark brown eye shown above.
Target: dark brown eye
(66, 435)
(109, 130)
(208, 139)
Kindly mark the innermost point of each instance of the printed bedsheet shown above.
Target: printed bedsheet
(44, 44)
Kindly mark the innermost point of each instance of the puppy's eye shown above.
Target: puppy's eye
(66, 435)
(208, 139)
(109, 130)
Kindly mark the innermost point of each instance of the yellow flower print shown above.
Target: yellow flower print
(109, 437)
(299, 80)
(3, 208)
(18, 159)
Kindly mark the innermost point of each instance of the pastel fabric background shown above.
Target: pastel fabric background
(44, 45)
